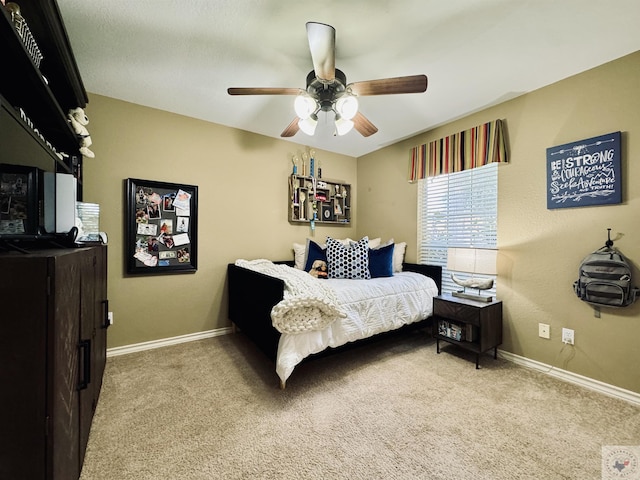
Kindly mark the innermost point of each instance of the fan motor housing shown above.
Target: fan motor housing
(326, 93)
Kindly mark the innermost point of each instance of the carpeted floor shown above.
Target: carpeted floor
(393, 409)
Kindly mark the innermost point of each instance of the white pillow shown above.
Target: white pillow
(345, 241)
(398, 256)
(374, 242)
(299, 255)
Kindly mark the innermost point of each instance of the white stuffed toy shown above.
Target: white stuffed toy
(78, 120)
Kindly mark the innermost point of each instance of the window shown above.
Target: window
(457, 210)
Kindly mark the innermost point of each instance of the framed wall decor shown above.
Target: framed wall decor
(161, 235)
(586, 172)
(19, 212)
(327, 213)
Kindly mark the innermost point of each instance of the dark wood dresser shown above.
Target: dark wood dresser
(53, 331)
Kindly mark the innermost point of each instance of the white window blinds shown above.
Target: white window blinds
(457, 210)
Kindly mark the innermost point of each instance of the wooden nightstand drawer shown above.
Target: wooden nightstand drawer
(456, 311)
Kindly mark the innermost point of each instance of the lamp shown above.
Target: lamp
(472, 260)
(304, 106)
(329, 97)
(343, 125)
(308, 125)
(347, 106)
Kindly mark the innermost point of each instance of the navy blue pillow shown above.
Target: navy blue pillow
(381, 261)
(314, 252)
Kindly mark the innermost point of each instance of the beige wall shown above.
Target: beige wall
(540, 249)
(242, 181)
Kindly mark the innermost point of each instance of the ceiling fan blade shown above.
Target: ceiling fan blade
(263, 91)
(363, 125)
(322, 45)
(386, 86)
(291, 129)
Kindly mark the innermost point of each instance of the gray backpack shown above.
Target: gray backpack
(604, 278)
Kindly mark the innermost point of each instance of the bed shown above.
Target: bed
(260, 297)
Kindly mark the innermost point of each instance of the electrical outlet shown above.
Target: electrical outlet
(110, 318)
(567, 336)
(544, 330)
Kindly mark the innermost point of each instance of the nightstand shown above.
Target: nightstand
(470, 324)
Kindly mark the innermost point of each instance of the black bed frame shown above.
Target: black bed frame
(252, 295)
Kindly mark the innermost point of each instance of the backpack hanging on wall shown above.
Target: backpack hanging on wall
(604, 278)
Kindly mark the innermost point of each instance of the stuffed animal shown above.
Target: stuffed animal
(77, 119)
(318, 269)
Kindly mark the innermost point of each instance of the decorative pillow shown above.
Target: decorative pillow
(299, 254)
(350, 261)
(300, 251)
(381, 261)
(398, 256)
(314, 252)
(375, 242)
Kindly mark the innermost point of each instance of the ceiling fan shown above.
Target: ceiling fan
(328, 91)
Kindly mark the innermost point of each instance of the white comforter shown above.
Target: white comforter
(371, 307)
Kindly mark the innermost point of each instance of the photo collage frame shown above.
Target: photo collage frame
(161, 227)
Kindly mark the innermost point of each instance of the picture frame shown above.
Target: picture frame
(161, 234)
(327, 213)
(19, 210)
(585, 173)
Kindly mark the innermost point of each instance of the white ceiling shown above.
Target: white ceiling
(181, 56)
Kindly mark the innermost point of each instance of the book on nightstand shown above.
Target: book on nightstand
(451, 330)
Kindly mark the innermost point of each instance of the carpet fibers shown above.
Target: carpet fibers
(392, 409)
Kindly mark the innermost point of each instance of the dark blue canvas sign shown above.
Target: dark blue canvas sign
(584, 173)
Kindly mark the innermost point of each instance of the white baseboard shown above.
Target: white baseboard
(590, 383)
(165, 342)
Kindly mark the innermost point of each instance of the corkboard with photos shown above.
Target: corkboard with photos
(161, 233)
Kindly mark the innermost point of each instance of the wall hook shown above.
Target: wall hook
(609, 242)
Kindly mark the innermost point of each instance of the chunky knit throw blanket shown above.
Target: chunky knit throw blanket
(308, 303)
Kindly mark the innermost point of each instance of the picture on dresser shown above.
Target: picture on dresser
(18, 200)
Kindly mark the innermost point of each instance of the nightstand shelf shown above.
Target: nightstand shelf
(472, 325)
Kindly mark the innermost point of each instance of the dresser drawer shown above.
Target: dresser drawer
(456, 311)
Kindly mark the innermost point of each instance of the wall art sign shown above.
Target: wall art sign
(162, 227)
(587, 172)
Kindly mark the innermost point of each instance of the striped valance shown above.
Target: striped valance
(472, 148)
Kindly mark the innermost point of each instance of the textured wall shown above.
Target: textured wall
(243, 208)
(243, 195)
(540, 249)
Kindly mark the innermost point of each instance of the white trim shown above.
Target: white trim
(165, 342)
(590, 383)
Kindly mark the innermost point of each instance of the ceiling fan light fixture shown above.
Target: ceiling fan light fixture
(304, 106)
(327, 90)
(347, 106)
(343, 125)
(308, 125)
